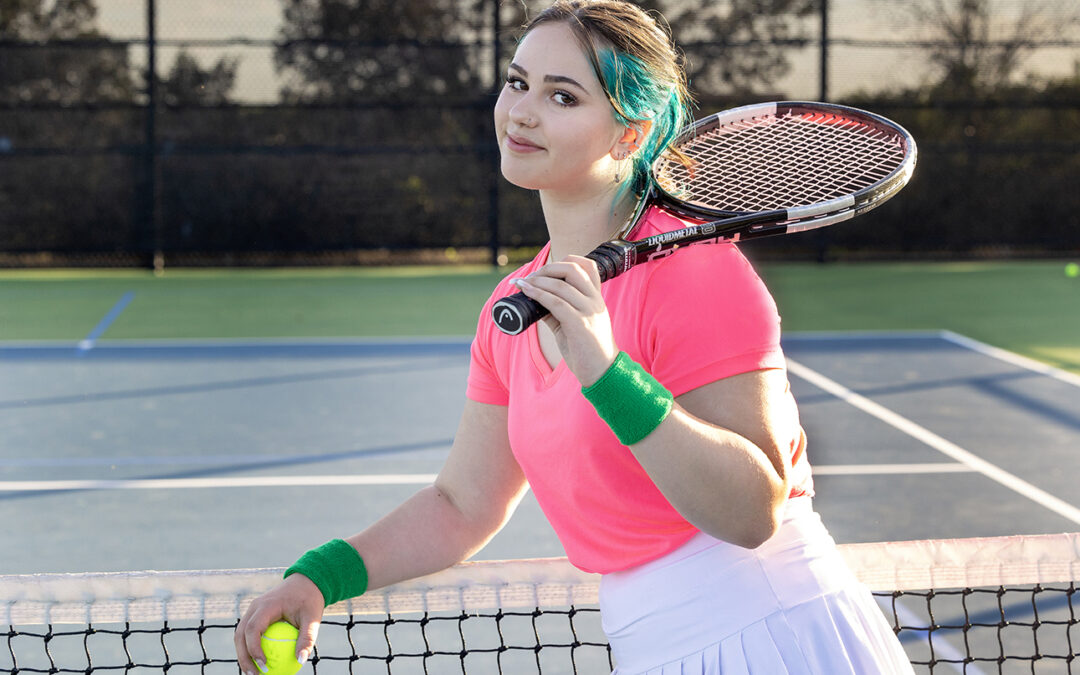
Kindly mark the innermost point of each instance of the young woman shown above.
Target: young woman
(651, 416)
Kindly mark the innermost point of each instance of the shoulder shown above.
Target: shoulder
(705, 314)
(705, 268)
(487, 333)
(505, 287)
(707, 277)
(706, 264)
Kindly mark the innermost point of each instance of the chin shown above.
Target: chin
(516, 176)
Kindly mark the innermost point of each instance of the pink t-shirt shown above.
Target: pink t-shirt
(692, 318)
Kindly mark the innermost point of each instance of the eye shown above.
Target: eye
(563, 98)
(516, 83)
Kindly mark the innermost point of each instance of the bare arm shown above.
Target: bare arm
(471, 499)
(722, 457)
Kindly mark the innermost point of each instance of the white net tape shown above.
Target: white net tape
(225, 594)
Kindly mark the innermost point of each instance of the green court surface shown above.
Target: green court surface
(1031, 308)
(272, 303)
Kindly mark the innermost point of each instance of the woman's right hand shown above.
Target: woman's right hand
(296, 600)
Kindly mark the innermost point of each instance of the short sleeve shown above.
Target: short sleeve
(484, 384)
(706, 316)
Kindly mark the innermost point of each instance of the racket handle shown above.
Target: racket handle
(514, 313)
(612, 258)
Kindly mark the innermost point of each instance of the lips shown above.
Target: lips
(521, 144)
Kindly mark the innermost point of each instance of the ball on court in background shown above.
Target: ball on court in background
(1072, 270)
(279, 648)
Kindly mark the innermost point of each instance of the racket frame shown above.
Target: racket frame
(517, 312)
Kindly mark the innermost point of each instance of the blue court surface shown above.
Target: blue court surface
(200, 455)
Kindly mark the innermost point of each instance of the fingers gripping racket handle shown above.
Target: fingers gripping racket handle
(515, 313)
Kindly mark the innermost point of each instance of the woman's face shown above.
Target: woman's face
(554, 123)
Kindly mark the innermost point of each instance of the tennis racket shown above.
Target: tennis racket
(755, 171)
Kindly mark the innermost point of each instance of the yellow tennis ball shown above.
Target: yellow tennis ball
(1072, 270)
(279, 648)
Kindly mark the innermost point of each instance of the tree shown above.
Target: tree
(980, 45)
(347, 50)
(733, 48)
(84, 67)
(188, 84)
(337, 50)
(34, 20)
(739, 47)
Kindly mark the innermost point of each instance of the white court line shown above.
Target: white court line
(839, 335)
(1011, 358)
(87, 343)
(887, 469)
(948, 448)
(195, 483)
(381, 479)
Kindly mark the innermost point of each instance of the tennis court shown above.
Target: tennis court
(242, 246)
(197, 455)
(201, 454)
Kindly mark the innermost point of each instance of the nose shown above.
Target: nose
(521, 113)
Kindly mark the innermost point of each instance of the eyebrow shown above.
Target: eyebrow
(557, 79)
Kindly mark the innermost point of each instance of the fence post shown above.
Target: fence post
(150, 146)
(823, 237)
(823, 94)
(493, 150)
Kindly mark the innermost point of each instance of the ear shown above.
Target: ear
(633, 137)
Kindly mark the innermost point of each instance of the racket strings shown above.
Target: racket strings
(768, 163)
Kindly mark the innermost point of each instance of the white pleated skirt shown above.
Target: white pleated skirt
(790, 606)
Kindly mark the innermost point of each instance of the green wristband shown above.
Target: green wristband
(336, 568)
(630, 400)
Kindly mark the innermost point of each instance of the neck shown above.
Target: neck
(577, 225)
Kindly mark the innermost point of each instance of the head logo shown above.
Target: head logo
(507, 319)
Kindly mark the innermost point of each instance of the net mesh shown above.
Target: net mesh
(769, 161)
(995, 605)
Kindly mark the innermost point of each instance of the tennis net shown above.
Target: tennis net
(988, 605)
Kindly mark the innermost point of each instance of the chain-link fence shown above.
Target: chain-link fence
(139, 132)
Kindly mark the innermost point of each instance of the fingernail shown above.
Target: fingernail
(302, 657)
(261, 666)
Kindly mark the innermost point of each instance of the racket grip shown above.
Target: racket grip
(514, 313)
(612, 258)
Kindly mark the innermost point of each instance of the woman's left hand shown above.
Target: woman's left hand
(570, 290)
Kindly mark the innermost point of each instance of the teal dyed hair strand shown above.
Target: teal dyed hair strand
(635, 96)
